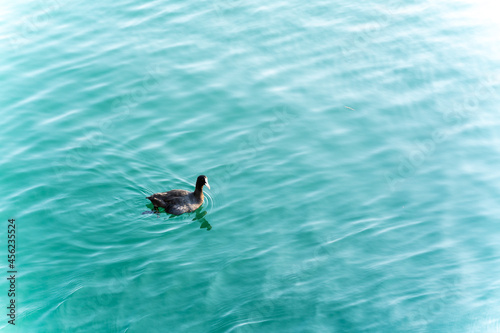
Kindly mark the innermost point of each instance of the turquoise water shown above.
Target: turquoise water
(352, 152)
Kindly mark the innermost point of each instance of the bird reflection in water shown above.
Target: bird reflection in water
(199, 216)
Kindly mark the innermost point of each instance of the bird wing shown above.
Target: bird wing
(172, 194)
(164, 197)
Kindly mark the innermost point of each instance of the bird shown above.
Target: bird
(178, 202)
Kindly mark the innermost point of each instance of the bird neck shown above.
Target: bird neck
(198, 192)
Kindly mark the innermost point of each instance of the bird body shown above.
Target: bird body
(178, 202)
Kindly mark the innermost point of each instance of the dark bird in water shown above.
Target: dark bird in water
(178, 202)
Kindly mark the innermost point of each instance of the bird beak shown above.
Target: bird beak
(207, 185)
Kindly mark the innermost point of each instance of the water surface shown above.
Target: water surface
(352, 151)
